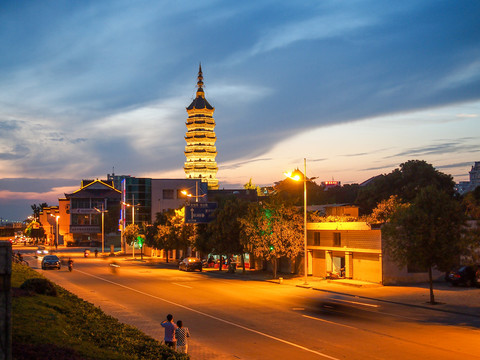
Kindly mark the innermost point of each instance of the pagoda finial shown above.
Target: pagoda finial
(200, 76)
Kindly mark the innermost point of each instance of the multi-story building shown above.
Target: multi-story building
(151, 196)
(85, 210)
(465, 186)
(200, 151)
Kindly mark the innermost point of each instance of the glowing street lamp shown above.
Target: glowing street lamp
(297, 177)
(103, 211)
(196, 196)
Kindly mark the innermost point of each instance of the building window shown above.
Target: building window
(337, 240)
(316, 238)
(168, 194)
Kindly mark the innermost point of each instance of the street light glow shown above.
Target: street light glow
(184, 192)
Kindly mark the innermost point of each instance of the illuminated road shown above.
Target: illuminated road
(236, 319)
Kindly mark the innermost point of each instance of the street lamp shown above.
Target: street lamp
(103, 211)
(297, 177)
(196, 196)
(133, 220)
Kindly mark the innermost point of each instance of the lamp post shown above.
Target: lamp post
(196, 196)
(133, 220)
(297, 178)
(103, 211)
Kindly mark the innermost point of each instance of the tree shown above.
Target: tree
(173, 232)
(274, 230)
(385, 209)
(471, 204)
(427, 233)
(405, 182)
(131, 233)
(35, 230)
(225, 230)
(38, 208)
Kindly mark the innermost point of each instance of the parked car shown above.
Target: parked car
(468, 275)
(51, 262)
(190, 264)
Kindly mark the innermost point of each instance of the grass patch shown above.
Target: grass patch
(67, 327)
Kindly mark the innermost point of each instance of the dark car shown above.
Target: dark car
(190, 264)
(465, 275)
(51, 262)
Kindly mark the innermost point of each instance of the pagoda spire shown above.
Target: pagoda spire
(200, 76)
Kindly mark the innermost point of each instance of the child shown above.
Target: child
(181, 334)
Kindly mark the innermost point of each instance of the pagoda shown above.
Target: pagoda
(200, 151)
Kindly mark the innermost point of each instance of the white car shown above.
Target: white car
(41, 251)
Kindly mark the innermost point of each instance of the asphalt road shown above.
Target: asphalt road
(239, 319)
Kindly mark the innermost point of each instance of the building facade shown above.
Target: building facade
(85, 210)
(200, 151)
(466, 186)
(354, 250)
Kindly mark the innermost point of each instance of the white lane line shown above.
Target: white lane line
(183, 285)
(331, 322)
(214, 317)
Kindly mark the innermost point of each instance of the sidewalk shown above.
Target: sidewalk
(457, 300)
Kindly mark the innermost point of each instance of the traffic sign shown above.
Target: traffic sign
(199, 213)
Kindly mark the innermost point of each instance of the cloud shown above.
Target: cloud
(90, 85)
(448, 147)
(383, 167)
(456, 165)
(239, 164)
(466, 74)
(37, 186)
(17, 152)
(355, 155)
(467, 115)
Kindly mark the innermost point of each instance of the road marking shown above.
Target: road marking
(182, 285)
(331, 322)
(298, 309)
(357, 303)
(214, 317)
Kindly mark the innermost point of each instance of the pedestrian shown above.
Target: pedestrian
(169, 331)
(181, 334)
(96, 252)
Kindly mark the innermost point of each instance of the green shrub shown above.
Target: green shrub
(67, 327)
(40, 286)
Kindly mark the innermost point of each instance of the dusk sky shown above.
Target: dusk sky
(356, 87)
